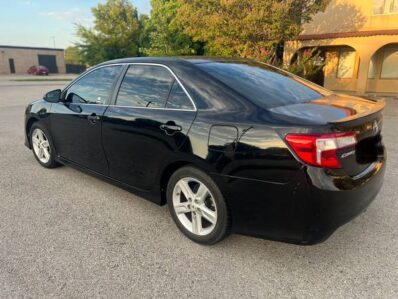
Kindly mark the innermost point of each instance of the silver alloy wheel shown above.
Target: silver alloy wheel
(195, 206)
(41, 146)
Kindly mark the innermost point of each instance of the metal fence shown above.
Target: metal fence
(75, 68)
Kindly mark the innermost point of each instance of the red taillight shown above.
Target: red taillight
(320, 150)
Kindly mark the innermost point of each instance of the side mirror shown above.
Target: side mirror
(53, 96)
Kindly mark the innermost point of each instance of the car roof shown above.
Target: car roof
(166, 60)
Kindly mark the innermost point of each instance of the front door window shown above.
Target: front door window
(95, 87)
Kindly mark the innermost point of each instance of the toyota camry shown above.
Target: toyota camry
(230, 145)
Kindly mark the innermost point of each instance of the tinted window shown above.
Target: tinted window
(262, 84)
(95, 87)
(178, 99)
(145, 86)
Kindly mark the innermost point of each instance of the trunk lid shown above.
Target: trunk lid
(331, 109)
(341, 113)
(367, 123)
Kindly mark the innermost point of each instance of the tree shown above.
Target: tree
(115, 33)
(165, 32)
(72, 55)
(247, 28)
(145, 30)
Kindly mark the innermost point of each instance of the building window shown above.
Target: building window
(389, 68)
(345, 69)
(378, 6)
(394, 6)
(381, 7)
(372, 68)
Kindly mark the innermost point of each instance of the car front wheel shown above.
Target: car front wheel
(42, 147)
(197, 206)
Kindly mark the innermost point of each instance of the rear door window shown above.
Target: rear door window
(145, 86)
(264, 85)
(178, 99)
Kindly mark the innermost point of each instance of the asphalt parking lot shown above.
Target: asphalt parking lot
(67, 234)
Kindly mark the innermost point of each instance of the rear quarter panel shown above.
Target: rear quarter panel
(263, 184)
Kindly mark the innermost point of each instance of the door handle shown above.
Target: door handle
(170, 128)
(93, 118)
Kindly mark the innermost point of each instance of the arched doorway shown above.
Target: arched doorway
(339, 66)
(383, 70)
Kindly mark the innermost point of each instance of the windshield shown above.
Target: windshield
(264, 85)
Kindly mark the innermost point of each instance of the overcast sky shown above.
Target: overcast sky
(37, 22)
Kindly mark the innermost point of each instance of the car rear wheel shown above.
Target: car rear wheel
(197, 206)
(42, 147)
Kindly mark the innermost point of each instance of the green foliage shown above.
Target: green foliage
(166, 36)
(116, 33)
(246, 28)
(308, 64)
(72, 55)
(145, 30)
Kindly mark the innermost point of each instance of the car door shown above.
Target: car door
(76, 121)
(147, 125)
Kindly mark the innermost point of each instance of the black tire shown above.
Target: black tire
(51, 162)
(222, 226)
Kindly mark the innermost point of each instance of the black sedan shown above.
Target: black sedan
(230, 145)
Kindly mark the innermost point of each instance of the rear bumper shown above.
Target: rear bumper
(305, 211)
(329, 209)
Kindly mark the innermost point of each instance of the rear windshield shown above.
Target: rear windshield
(264, 85)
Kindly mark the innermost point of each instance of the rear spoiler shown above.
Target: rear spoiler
(363, 111)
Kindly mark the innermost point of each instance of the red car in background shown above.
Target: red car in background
(38, 70)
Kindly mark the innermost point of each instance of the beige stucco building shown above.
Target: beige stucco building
(18, 59)
(359, 42)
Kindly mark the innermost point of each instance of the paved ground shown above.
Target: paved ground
(66, 234)
(20, 77)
